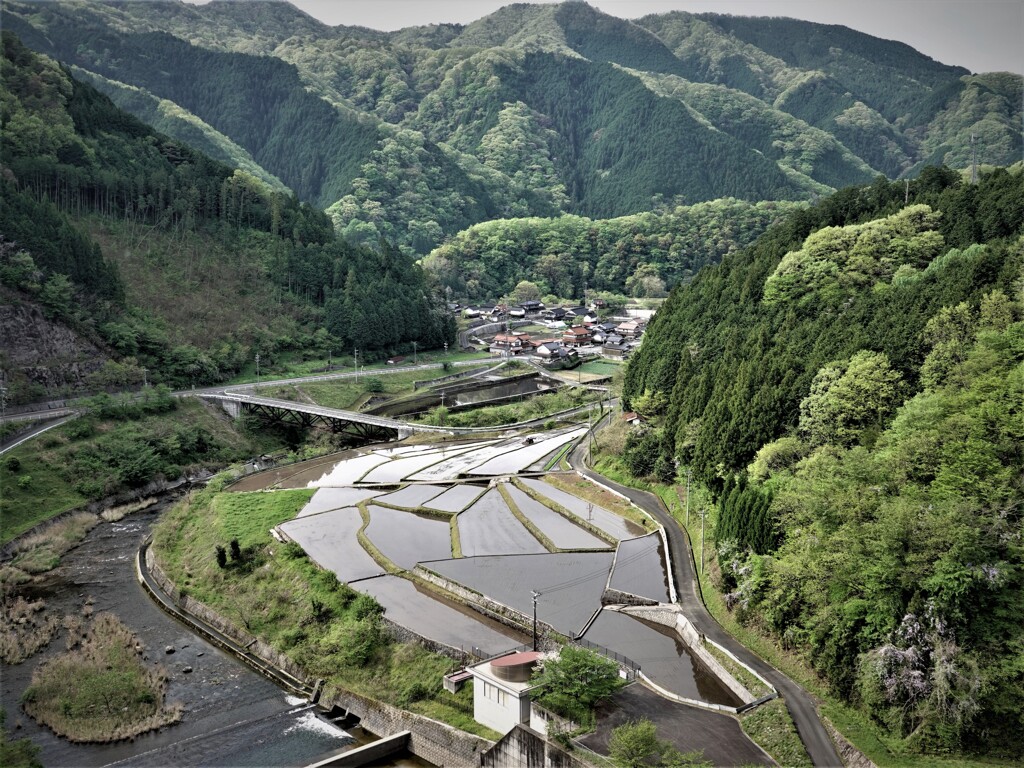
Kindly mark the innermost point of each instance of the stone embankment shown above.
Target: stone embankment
(429, 739)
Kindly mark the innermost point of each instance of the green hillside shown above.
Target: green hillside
(107, 225)
(849, 388)
(534, 110)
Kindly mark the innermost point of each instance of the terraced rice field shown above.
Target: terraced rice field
(439, 620)
(411, 496)
(456, 498)
(562, 532)
(335, 498)
(661, 655)
(489, 528)
(615, 526)
(639, 568)
(329, 538)
(406, 538)
(570, 583)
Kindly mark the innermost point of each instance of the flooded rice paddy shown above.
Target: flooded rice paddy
(489, 528)
(440, 620)
(516, 461)
(640, 568)
(406, 538)
(412, 496)
(501, 558)
(456, 498)
(562, 532)
(326, 499)
(615, 526)
(662, 656)
(329, 539)
(570, 583)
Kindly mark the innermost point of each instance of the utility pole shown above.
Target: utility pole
(689, 472)
(535, 594)
(257, 370)
(703, 514)
(355, 361)
(145, 380)
(415, 360)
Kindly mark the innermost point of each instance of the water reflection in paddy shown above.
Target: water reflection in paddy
(662, 656)
(640, 568)
(329, 539)
(490, 528)
(563, 533)
(607, 521)
(406, 538)
(570, 583)
(443, 621)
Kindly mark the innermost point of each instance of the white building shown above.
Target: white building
(501, 690)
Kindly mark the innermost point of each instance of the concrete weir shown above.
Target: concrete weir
(370, 753)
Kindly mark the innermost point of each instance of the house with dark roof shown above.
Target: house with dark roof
(577, 336)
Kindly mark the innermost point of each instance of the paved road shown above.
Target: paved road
(801, 706)
(690, 729)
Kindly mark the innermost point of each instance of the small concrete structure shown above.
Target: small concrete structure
(501, 690)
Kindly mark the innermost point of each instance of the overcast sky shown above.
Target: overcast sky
(981, 35)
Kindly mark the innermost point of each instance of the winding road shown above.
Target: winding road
(800, 704)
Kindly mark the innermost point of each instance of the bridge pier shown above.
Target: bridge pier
(233, 408)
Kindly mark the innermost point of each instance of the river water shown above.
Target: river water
(232, 715)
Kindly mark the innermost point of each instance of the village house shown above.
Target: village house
(631, 329)
(620, 350)
(555, 313)
(547, 349)
(531, 306)
(577, 336)
(512, 343)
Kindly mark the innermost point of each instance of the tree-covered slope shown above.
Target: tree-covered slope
(88, 188)
(416, 134)
(850, 389)
(638, 255)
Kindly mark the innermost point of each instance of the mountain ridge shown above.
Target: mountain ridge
(887, 108)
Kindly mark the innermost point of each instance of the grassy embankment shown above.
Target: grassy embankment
(277, 593)
(774, 730)
(100, 689)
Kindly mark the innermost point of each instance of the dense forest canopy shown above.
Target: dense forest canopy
(532, 111)
(72, 159)
(850, 389)
(640, 255)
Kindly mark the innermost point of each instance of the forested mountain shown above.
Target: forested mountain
(532, 111)
(638, 255)
(850, 389)
(77, 172)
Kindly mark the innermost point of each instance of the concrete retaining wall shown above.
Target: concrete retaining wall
(510, 617)
(435, 742)
(525, 748)
(370, 753)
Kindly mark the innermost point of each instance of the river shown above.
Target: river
(232, 715)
